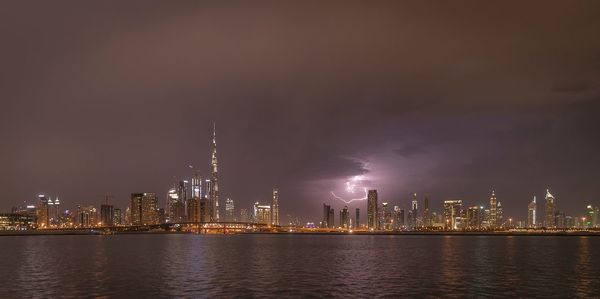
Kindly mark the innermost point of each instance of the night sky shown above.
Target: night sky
(448, 98)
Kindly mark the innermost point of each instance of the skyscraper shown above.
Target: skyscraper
(275, 207)
(144, 209)
(42, 212)
(118, 218)
(372, 222)
(345, 218)
(386, 222)
(493, 221)
(475, 217)
(549, 211)
(398, 218)
(452, 209)
(229, 210)
(107, 215)
(262, 213)
(499, 215)
(176, 207)
(532, 214)
(357, 220)
(414, 211)
(193, 202)
(426, 216)
(213, 192)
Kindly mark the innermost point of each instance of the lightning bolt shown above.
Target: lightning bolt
(351, 200)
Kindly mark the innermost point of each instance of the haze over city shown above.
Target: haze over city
(447, 100)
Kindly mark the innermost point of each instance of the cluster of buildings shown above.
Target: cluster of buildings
(188, 201)
(454, 216)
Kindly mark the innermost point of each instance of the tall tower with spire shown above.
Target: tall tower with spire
(493, 210)
(213, 193)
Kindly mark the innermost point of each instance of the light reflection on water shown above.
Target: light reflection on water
(179, 265)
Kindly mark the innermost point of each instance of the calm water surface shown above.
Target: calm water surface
(180, 265)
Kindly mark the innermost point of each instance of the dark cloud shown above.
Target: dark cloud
(449, 99)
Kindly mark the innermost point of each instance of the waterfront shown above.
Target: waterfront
(280, 265)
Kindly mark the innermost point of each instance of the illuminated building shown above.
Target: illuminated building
(398, 218)
(144, 209)
(493, 220)
(14, 221)
(30, 211)
(559, 220)
(86, 216)
(452, 210)
(590, 217)
(372, 221)
(229, 210)
(193, 201)
(415, 212)
(182, 203)
(118, 218)
(345, 218)
(213, 192)
(127, 216)
(532, 214)
(549, 211)
(42, 212)
(262, 213)
(357, 219)
(475, 216)
(107, 215)
(499, 215)
(387, 223)
(176, 206)
(193, 209)
(275, 207)
(328, 217)
(409, 220)
(426, 216)
(53, 211)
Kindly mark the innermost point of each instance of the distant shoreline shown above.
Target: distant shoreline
(359, 233)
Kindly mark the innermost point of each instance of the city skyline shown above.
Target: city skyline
(450, 105)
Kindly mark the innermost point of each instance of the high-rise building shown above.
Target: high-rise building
(42, 212)
(275, 207)
(193, 202)
(229, 210)
(415, 212)
(87, 216)
(452, 211)
(409, 220)
(532, 214)
(328, 217)
(118, 218)
(398, 218)
(213, 192)
(53, 211)
(549, 211)
(387, 220)
(357, 220)
(426, 215)
(372, 221)
(184, 200)
(144, 209)
(176, 205)
(345, 218)
(262, 213)
(493, 221)
(590, 217)
(499, 215)
(475, 216)
(107, 215)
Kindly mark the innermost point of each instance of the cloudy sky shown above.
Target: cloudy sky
(445, 98)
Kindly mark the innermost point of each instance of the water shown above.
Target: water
(300, 266)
